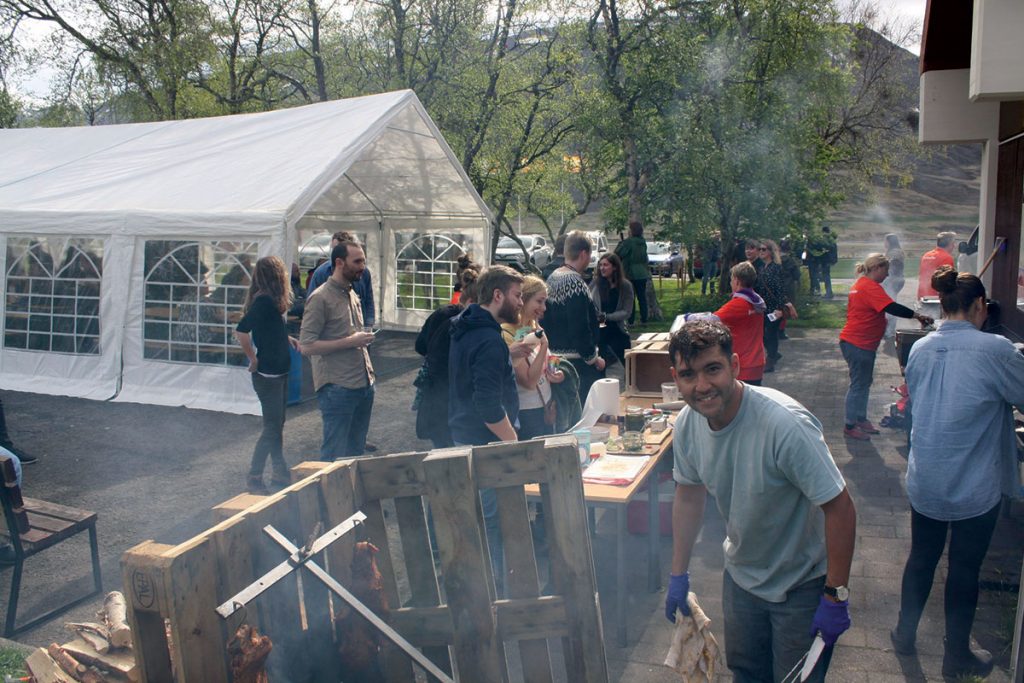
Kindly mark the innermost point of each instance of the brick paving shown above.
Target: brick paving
(813, 372)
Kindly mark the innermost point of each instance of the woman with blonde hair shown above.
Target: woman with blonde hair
(533, 373)
(263, 326)
(859, 338)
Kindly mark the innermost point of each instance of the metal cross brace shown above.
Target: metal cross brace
(303, 557)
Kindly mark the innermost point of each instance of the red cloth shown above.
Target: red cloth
(865, 321)
(930, 262)
(456, 298)
(747, 327)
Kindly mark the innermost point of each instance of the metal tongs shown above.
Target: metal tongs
(805, 665)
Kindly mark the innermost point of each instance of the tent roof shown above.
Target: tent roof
(379, 155)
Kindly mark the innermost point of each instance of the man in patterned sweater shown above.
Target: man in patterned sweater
(571, 318)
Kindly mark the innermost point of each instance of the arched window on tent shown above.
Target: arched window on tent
(194, 294)
(53, 294)
(427, 264)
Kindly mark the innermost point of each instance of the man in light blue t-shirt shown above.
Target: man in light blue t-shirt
(762, 456)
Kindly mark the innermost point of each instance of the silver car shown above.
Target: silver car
(540, 252)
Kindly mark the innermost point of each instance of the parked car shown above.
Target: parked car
(315, 249)
(600, 247)
(664, 258)
(508, 251)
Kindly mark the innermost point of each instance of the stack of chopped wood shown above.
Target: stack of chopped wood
(101, 652)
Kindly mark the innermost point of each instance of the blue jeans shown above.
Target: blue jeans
(346, 418)
(764, 640)
(862, 371)
(709, 277)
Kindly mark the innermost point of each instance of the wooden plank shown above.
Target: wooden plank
(319, 635)
(44, 669)
(542, 617)
(199, 643)
(60, 511)
(509, 464)
(308, 468)
(51, 525)
(569, 550)
(397, 667)
(338, 491)
(232, 506)
(233, 542)
(279, 605)
(424, 626)
(419, 568)
(454, 499)
(142, 573)
(521, 580)
(118, 662)
(392, 476)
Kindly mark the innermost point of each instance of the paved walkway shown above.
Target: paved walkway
(154, 472)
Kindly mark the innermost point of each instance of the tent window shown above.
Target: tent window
(53, 294)
(426, 269)
(194, 294)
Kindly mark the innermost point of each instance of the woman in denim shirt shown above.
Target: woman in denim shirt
(964, 383)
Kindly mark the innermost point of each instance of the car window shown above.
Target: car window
(506, 243)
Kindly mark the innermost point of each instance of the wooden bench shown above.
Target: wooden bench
(33, 526)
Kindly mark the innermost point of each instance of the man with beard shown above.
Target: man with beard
(764, 459)
(483, 400)
(332, 334)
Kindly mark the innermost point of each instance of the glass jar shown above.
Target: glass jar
(634, 419)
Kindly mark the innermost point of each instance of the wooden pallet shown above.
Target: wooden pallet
(181, 585)
(647, 365)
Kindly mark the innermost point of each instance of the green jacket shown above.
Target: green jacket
(633, 252)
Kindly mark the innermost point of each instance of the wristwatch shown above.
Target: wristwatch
(840, 593)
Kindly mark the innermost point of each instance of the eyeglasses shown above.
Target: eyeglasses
(762, 248)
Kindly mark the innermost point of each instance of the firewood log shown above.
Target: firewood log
(249, 651)
(115, 614)
(73, 667)
(95, 634)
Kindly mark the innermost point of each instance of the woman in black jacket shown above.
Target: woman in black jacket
(433, 343)
(263, 325)
(772, 288)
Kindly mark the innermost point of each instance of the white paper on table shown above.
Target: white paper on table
(615, 469)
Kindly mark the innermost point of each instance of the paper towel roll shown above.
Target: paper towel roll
(603, 399)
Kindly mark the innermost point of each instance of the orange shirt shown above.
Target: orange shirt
(865, 321)
(747, 327)
(930, 262)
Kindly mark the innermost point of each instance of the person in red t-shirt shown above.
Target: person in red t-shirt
(859, 338)
(941, 255)
(743, 314)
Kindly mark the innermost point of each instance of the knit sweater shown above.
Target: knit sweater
(571, 318)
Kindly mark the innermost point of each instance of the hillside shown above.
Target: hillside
(942, 195)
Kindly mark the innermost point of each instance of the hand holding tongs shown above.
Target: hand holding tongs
(805, 665)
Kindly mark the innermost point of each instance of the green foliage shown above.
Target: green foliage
(10, 108)
(12, 662)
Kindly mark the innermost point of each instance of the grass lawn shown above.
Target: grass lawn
(815, 313)
(12, 663)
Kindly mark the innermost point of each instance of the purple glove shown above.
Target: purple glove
(831, 619)
(678, 587)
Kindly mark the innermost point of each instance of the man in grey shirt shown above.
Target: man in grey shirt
(762, 456)
(332, 335)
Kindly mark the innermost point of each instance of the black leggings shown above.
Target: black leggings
(967, 547)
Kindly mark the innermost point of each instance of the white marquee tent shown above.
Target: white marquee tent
(126, 249)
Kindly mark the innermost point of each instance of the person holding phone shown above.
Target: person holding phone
(613, 295)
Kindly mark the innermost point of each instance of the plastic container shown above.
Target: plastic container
(583, 443)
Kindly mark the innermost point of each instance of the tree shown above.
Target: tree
(146, 48)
